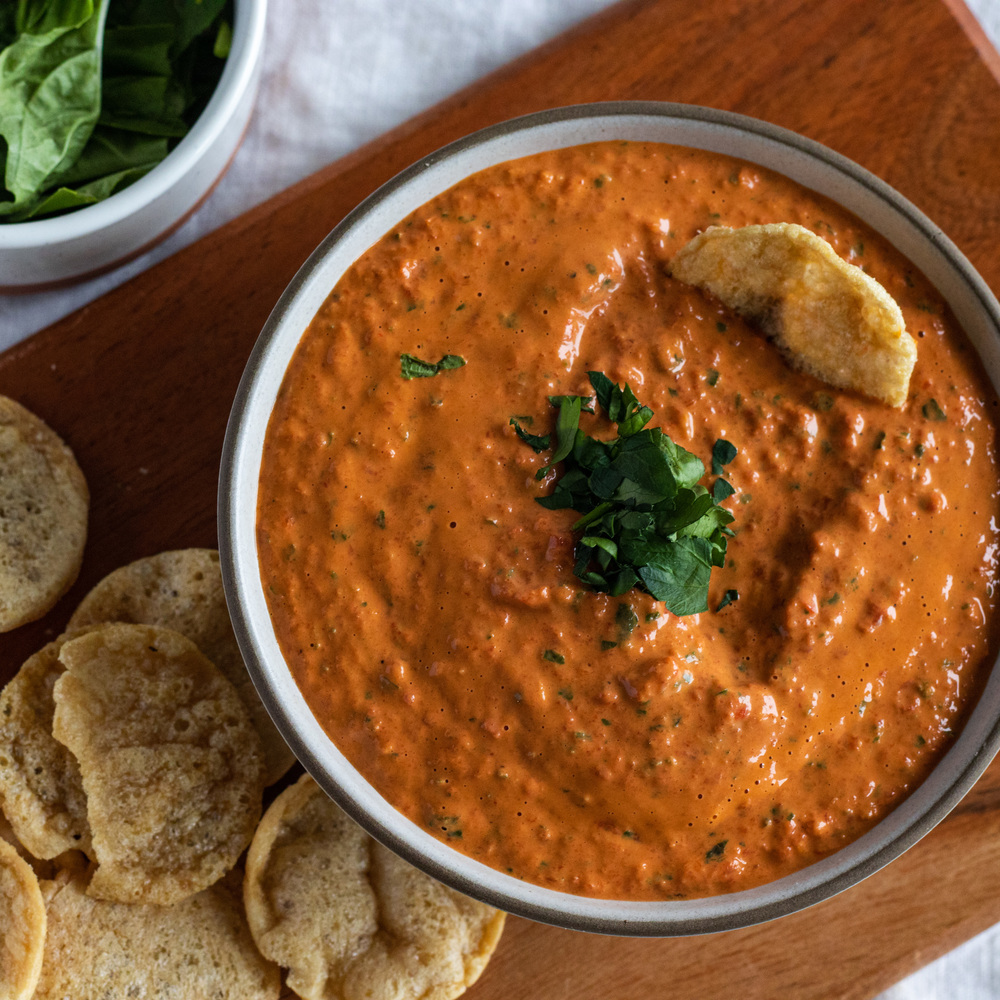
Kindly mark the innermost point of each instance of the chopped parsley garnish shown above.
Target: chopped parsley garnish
(411, 367)
(553, 657)
(626, 619)
(716, 852)
(727, 598)
(723, 452)
(646, 522)
(537, 441)
(932, 410)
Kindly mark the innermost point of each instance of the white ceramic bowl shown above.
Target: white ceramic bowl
(81, 243)
(804, 161)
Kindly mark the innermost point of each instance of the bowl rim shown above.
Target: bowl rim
(238, 75)
(916, 816)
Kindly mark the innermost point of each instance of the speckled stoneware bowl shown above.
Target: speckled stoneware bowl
(45, 253)
(800, 159)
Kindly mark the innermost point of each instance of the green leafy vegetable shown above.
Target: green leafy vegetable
(723, 452)
(646, 521)
(727, 598)
(50, 96)
(93, 94)
(538, 442)
(411, 367)
(932, 410)
(716, 852)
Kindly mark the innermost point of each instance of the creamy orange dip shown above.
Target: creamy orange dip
(427, 606)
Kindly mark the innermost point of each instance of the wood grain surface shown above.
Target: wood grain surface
(140, 384)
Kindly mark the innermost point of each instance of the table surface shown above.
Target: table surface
(329, 87)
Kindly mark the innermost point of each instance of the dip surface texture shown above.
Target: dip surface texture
(427, 606)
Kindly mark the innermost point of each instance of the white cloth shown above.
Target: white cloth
(338, 74)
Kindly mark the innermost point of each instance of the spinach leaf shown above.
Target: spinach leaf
(50, 96)
(94, 94)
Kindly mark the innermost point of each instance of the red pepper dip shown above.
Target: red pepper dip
(427, 605)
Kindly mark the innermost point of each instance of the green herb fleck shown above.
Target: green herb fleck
(626, 619)
(411, 367)
(932, 411)
(380, 518)
(727, 598)
(553, 657)
(715, 853)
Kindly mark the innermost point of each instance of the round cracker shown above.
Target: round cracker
(171, 764)
(22, 925)
(350, 919)
(200, 947)
(68, 861)
(43, 516)
(182, 590)
(40, 788)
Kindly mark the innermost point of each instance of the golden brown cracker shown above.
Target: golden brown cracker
(40, 788)
(348, 918)
(831, 319)
(44, 503)
(22, 925)
(198, 948)
(182, 590)
(171, 764)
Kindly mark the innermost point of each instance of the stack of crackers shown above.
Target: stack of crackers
(134, 755)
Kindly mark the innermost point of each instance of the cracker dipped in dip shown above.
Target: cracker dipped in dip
(707, 728)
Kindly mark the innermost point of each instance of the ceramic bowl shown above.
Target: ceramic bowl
(50, 252)
(802, 160)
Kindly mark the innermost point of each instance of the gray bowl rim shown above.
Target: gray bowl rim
(713, 914)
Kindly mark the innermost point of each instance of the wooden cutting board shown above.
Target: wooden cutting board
(140, 384)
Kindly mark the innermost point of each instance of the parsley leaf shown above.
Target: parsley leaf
(537, 441)
(723, 452)
(411, 367)
(715, 853)
(646, 522)
(932, 410)
(727, 598)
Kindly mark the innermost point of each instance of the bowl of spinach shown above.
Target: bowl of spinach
(116, 119)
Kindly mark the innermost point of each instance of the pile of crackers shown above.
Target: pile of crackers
(134, 758)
